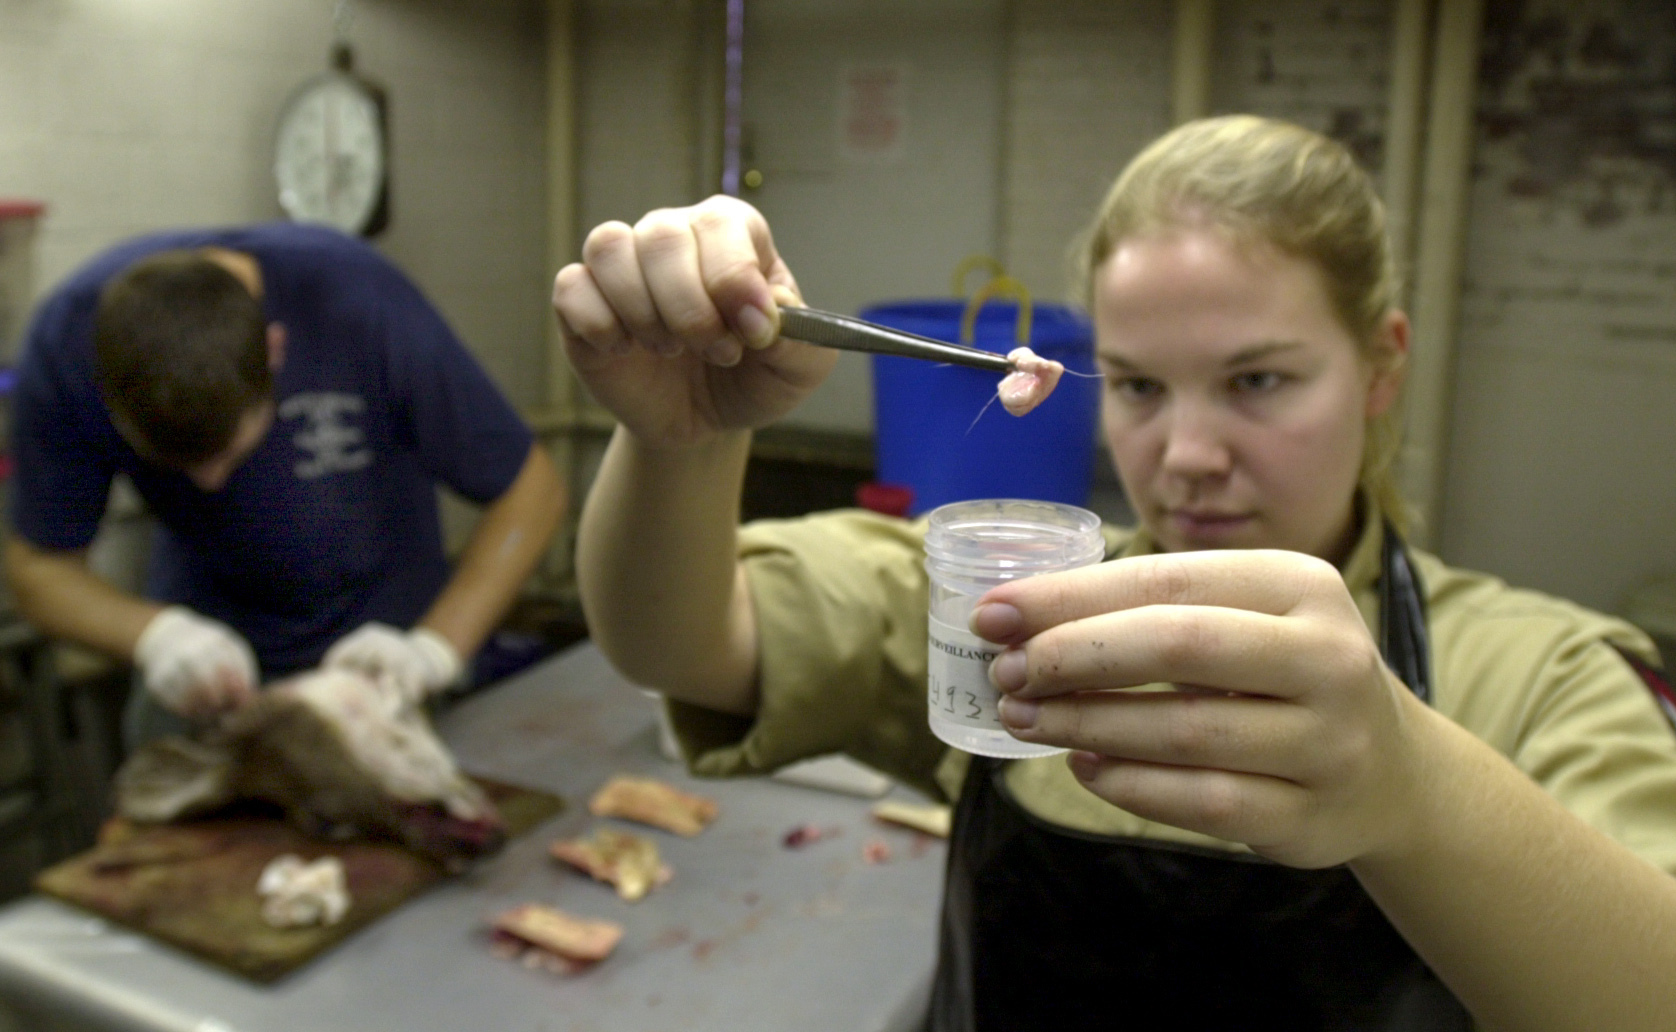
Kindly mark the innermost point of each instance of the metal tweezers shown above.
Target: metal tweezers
(845, 333)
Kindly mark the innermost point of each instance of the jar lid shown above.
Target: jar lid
(1010, 537)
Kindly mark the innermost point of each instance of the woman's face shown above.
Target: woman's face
(1235, 402)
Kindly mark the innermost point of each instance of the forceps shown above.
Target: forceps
(845, 333)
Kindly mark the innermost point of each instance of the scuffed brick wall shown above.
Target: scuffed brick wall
(1574, 216)
(1320, 64)
(1562, 466)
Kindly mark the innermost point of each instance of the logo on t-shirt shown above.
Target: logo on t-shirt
(334, 446)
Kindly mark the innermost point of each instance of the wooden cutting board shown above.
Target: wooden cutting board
(193, 884)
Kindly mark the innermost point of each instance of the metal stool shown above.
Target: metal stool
(39, 800)
(51, 796)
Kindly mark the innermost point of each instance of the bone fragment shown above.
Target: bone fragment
(653, 802)
(930, 819)
(559, 933)
(628, 861)
(298, 894)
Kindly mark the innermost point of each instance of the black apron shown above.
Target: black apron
(1045, 928)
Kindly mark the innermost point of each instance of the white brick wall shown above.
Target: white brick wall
(126, 117)
(1087, 87)
(638, 108)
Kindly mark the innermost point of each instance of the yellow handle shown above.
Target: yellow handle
(1000, 286)
(970, 262)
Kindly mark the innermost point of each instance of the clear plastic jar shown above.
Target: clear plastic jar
(971, 547)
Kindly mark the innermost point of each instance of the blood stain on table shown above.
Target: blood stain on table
(705, 947)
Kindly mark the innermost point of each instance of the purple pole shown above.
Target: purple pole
(733, 97)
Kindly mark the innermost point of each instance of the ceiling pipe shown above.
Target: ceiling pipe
(1439, 258)
(1193, 46)
(1405, 131)
(561, 179)
(563, 393)
(717, 93)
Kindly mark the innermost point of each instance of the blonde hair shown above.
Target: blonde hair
(1258, 179)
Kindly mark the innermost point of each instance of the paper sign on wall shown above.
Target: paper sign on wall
(872, 112)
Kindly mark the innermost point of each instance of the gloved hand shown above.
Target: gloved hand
(195, 666)
(410, 665)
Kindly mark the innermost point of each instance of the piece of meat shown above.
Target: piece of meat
(328, 748)
(650, 801)
(1032, 380)
(561, 934)
(876, 851)
(932, 819)
(619, 858)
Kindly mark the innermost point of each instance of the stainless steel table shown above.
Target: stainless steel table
(748, 935)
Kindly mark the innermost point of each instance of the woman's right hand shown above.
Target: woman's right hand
(673, 324)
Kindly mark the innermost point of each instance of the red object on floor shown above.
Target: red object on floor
(890, 499)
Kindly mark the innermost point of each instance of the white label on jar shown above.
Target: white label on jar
(957, 677)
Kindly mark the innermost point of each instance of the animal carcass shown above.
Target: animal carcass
(337, 753)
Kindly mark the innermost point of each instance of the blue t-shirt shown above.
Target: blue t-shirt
(332, 520)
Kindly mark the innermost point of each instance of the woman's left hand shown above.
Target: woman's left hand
(1286, 732)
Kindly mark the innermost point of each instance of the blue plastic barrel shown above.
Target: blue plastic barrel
(923, 413)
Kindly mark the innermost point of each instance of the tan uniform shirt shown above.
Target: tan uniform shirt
(841, 608)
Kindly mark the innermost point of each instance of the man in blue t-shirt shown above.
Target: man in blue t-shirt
(285, 401)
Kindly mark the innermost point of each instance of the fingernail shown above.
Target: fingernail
(724, 353)
(1084, 765)
(996, 621)
(1019, 714)
(1008, 670)
(757, 327)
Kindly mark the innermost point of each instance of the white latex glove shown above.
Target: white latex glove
(195, 666)
(411, 664)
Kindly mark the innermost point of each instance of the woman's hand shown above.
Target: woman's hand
(673, 324)
(1287, 732)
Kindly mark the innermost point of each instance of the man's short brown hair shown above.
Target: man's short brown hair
(181, 354)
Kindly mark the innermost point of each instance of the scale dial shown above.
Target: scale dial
(329, 155)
